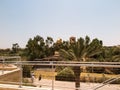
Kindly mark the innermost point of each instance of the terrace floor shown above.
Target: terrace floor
(61, 85)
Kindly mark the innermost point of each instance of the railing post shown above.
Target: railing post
(21, 72)
(3, 65)
(53, 75)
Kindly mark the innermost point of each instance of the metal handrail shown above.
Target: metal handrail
(64, 63)
(106, 82)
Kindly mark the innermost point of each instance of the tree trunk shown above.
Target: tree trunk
(84, 67)
(77, 72)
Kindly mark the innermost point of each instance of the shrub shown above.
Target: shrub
(66, 75)
(27, 71)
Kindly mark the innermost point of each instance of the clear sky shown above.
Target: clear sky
(24, 19)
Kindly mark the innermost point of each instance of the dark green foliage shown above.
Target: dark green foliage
(15, 48)
(38, 48)
(66, 75)
(5, 52)
(59, 68)
(27, 71)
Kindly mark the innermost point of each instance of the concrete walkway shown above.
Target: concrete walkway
(58, 85)
(23, 87)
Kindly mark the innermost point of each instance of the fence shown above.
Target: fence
(61, 74)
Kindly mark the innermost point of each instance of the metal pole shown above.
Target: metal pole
(21, 72)
(3, 65)
(52, 76)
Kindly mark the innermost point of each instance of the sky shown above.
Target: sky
(24, 19)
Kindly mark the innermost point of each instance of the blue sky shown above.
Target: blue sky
(24, 19)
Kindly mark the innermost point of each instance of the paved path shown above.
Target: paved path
(58, 85)
(62, 85)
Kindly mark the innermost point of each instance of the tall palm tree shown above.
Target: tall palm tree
(81, 50)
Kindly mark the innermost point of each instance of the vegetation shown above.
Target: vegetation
(38, 47)
(81, 49)
(27, 71)
(66, 75)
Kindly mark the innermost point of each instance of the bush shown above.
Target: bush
(27, 71)
(66, 75)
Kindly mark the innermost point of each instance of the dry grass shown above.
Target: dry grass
(48, 74)
(45, 74)
(98, 75)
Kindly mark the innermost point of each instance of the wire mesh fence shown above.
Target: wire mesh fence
(61, 75)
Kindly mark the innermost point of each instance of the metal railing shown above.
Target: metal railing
(52, 66)
(106, 82)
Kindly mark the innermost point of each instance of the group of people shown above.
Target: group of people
(35, 80)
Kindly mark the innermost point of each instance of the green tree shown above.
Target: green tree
(81, 50)
(15, 48)
(4, 52)
(39, 48)
(49, 41)
(35, 48)
(49, 51)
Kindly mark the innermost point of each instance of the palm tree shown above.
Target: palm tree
(111, 54)
(115, 57)
(81, 50)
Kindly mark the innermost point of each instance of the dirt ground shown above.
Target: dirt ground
(7, 89)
